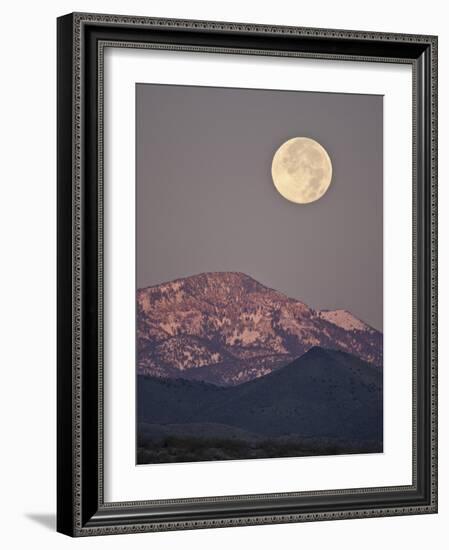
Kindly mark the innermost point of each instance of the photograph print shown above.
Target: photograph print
(259, 273)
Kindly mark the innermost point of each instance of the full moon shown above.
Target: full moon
(301, 170)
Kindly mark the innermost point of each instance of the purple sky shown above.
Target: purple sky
(206, 201)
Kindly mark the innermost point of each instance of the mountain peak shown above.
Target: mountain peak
(316, 351)
(216, 287)
(231, 278)
(227, 328)
(227, 278)
(344, 319)
(319, 351)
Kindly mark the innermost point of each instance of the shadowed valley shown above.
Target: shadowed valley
(325, 402)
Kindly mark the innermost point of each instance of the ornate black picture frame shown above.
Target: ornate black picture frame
(81, 509)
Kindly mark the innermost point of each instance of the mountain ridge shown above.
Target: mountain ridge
(325, 393)
(227, 328)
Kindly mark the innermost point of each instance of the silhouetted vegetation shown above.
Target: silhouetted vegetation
(194, 449)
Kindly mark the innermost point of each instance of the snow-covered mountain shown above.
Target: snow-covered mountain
(344, 319)
(226, 328)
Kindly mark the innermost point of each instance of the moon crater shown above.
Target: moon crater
(301, 170)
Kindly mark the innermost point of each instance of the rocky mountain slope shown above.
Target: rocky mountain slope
(226, 329)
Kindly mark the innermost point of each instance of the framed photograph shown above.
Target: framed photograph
(247, 284)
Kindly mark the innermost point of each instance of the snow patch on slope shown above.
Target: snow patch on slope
(344, 319)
